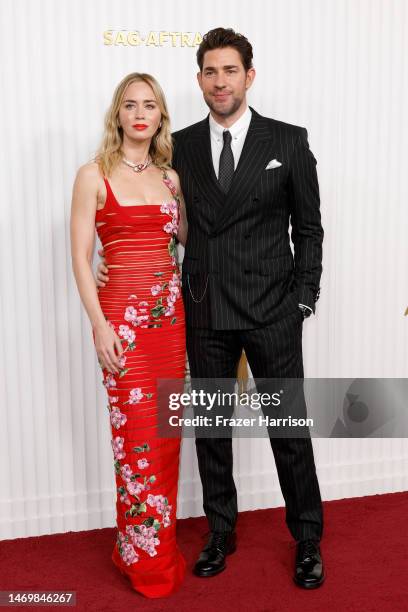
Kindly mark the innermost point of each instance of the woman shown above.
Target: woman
(133, 198)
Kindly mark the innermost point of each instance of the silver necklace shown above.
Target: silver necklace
(138, 167)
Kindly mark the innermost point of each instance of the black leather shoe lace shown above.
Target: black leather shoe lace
(217, 540)
(307, 550)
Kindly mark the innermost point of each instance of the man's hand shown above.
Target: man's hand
(101, 271)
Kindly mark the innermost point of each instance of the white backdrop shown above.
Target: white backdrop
(337, 67)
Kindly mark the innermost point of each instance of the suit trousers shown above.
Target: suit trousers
(273, 351)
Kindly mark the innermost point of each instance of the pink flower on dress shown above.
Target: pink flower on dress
(126, 472)
(166, 521)
(127, 334)
(129, 555)
(170, 227)
(132, 297)
(135, 395)
(165, 208)
(144, 538)
(109, 381)
(117, 418)
(135, 488)
(167, 181)
(154, 500)
(117, 446)
(174, 284)
(171, 299)
(125, 499)
(113, 399)
(171, 208)
(143, 303)
(131, 315)
(170, 310)
(156, 289)
(143, 463)
(162, 507)
(122, 361)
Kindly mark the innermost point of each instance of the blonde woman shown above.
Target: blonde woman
(132, 197)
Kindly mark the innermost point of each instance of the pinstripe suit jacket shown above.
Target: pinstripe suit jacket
(238, 247)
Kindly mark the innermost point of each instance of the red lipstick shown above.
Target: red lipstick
(140, 126)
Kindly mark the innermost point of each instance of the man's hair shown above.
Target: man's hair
(225, 37)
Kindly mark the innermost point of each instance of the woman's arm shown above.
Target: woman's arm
(84, 203)
(183, 225)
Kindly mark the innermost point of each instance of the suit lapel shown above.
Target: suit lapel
(253, 160)
(199, 159)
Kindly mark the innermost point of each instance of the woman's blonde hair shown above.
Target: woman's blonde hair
(110, 153)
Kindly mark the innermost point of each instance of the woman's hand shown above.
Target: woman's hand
(106, 341)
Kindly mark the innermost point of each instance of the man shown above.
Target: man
(244, 177)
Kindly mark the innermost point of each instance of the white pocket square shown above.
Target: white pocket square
(274, 163)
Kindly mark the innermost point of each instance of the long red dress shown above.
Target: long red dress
(142, 302)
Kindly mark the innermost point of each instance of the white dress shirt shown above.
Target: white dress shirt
(238, 131)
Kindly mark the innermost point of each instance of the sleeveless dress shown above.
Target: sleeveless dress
(142, 303)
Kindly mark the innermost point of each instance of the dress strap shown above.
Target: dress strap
(110, 197)
(169, 183)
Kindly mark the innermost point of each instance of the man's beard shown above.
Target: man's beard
(226, 112)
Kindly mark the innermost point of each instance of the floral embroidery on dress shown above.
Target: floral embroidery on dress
(135, 395)
(145, 535)
(117, 417)
(164, 304)
(128, 335)
(109, 381)
(117, 446)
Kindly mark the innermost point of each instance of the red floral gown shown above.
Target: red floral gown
(142, 303)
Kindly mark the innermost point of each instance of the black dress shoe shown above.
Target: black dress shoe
(309, 565)
(212, 558)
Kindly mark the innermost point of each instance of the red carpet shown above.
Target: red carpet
(365, 549)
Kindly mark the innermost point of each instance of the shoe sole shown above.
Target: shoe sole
(314, 585)
(210, 575)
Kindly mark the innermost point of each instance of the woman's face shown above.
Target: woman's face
(139, 113)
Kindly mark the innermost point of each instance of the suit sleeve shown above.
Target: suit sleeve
(176, 147)
(307, 231)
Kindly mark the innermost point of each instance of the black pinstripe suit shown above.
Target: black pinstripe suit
(238, 257)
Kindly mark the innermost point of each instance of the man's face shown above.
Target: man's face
(224, 81)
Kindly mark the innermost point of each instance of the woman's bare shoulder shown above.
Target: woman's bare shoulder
(90, 172)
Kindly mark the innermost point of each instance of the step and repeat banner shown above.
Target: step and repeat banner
(335, 67)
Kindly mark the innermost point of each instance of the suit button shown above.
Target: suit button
(255, 199)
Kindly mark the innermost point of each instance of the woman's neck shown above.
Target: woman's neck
(136, 152)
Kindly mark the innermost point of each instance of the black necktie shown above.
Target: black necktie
(226, 169)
